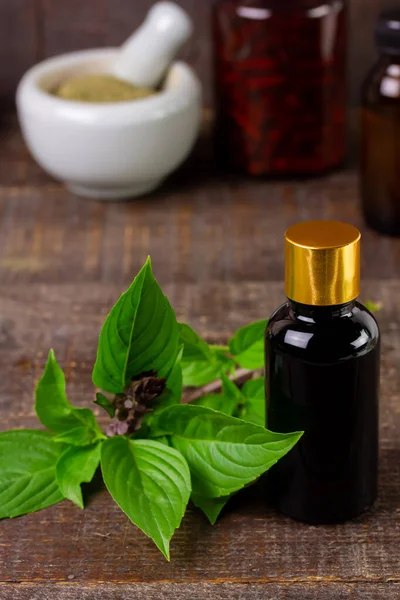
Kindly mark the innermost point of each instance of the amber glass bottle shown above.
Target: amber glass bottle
(280, 73)
(322, 374)
(380, 158)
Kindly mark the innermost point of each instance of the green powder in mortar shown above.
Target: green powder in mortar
(100, 88)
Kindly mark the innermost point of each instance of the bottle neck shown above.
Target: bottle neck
(312, 314)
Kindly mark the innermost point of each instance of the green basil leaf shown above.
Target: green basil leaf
(150, 482)
(195, 349)
(211, 507)
(201, 363)
(224, 453)
(373, 306)
(104, 402)
(253, 409)
(28, 480)
(227, 402)
(174, 385)
(231, 390)
(140, 334)
(170, 396)
(219, 347)
(247, 345)
(216, 402)
(79, 436)
(55, 411)
(228, 365)
(74, 467)
(200, 373)
(247, 404)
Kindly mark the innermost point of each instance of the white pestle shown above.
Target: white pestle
(147, 54)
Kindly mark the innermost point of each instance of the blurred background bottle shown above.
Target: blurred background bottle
(280, 71)
(380, 152)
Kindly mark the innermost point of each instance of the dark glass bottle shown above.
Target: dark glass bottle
(322, 373)
(280, 72)
(380, 156)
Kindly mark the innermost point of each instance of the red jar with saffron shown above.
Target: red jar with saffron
(280, 70)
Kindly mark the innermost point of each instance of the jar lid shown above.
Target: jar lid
(322, 266)
(387, 31)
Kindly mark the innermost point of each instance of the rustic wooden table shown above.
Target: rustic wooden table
(216, 245)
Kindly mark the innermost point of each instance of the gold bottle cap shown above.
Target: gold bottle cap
(322, 263)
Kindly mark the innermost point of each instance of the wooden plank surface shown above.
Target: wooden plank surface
(216, 245)
(209, 591)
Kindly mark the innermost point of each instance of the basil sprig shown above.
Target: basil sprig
(156, 454)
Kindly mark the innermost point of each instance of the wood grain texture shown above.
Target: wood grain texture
(47, 27)
(199, 227)
(232, 591)
(250, 545)
(216, 245)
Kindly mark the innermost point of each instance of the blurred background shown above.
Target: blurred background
(203, 225)
(32, 30)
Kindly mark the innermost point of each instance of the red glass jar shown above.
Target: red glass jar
(280, 70)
